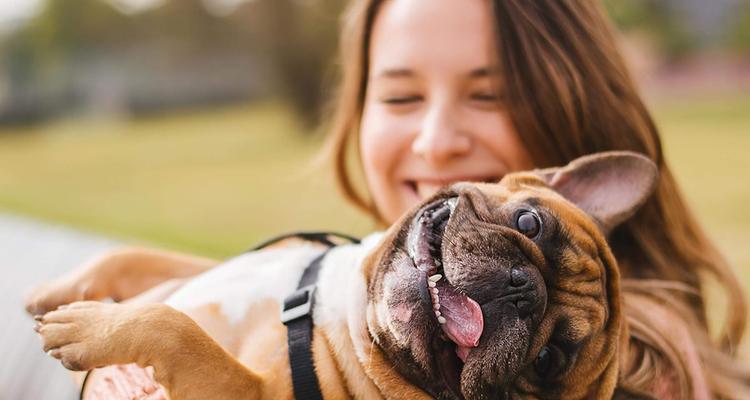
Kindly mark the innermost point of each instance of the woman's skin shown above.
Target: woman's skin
(433, 111)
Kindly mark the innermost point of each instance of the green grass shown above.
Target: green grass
(211, 182)
(707, 143)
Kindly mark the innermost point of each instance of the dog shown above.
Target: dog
(483, 291)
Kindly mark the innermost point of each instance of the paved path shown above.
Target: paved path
(30, 253)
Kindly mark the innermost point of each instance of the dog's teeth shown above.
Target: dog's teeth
(436, 299)
(434, 290)
(438, 263)
(437, 313)
(436, 307)
(441, 319)
(435, 278)
(431, 284)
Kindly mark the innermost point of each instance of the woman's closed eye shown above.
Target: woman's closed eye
(484, 96)
(401, 100)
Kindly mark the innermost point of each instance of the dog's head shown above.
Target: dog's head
(494, 290)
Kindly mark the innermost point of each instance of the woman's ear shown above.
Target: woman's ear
(609, 186)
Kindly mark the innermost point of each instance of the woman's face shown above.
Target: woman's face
(433, 110)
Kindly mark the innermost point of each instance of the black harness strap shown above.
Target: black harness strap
(319, 237)
(297, 315)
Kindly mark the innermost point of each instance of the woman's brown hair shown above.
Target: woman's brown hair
(569, 93)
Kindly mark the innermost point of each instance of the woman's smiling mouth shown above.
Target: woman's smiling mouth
(423, 188)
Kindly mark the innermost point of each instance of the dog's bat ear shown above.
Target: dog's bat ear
(609, 186)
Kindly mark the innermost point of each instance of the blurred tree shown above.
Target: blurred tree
(37, 57)
(301, 38)
(294, 39)
(738, 34)
(657, 18)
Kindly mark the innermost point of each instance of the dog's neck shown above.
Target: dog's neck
(340, 313)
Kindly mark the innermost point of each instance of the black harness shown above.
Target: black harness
(297, 316)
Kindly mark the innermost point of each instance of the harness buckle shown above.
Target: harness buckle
(298, 304)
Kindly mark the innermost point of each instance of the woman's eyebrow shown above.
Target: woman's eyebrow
(484, 72)
(394, 73)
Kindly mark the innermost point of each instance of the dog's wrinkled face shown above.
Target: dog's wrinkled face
(505, 290)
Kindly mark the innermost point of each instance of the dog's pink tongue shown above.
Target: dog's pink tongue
(464, 322)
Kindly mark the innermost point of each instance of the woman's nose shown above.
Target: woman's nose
(440, 139)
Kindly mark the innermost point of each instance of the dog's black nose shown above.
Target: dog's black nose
(523, 291)
(518, 277)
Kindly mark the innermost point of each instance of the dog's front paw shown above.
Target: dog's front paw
(88, 334)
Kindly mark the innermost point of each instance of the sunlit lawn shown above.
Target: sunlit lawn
(216, 181)
(211, 182)
(707, 143)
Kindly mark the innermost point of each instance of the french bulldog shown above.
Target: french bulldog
(484, 291)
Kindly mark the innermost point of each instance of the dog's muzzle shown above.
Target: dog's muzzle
(460, 316)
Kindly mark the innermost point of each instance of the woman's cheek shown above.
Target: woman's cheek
(495, 132)
(384, 142)
(375, 148)
(385, 136)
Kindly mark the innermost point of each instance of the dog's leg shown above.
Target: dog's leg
(85, 335)
(119, 275)
(129, 373)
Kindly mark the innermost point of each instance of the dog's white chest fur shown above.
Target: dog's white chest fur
(267, 274)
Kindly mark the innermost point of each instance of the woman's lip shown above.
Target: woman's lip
(454, 179)
(426, 187)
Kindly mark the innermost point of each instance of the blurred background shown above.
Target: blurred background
(194, 124)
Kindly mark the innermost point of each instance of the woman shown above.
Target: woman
(441, 91)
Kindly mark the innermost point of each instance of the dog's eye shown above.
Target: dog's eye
(548, 362)
(543, 362)
(529, 224)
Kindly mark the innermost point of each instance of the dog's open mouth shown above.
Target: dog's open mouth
(459, 316)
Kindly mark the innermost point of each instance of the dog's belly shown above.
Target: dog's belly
(241, 298)
(241, 281)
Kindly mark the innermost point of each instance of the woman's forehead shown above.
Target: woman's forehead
(415, 37)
